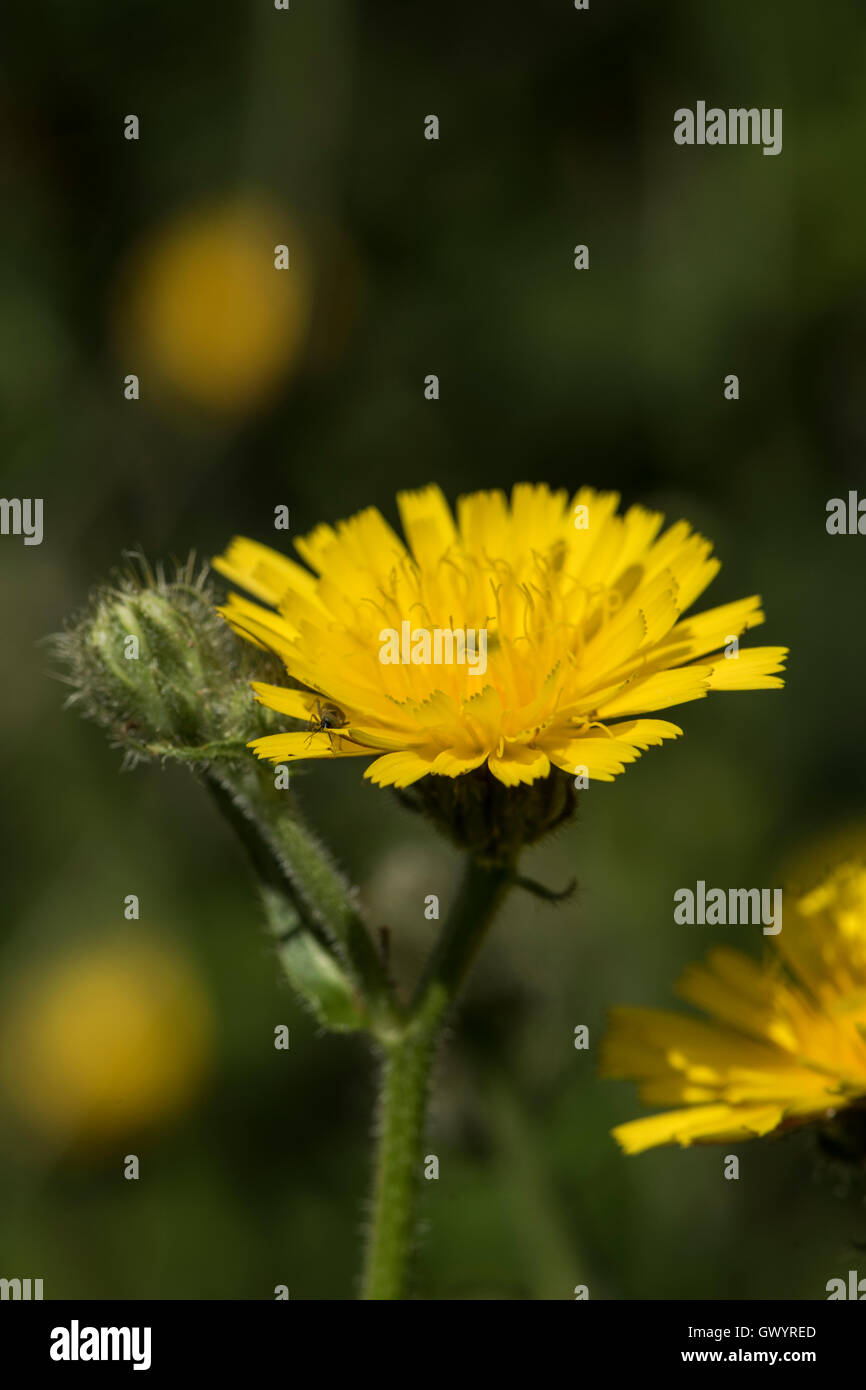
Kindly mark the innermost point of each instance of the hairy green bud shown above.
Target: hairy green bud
(153, 662)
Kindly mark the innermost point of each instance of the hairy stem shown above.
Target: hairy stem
(408, 1060)
(288, 858)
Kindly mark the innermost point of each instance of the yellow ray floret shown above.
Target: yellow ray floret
(552, 626)
(787, 1038)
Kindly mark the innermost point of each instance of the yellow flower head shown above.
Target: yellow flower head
(788, 1044)
(582, 611)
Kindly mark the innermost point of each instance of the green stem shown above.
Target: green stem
(288, 858)
(223, 750)
(408, 1060)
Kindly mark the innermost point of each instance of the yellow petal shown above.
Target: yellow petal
(263, 572)
(300, 704)
(698, 1124)
(427, 523)
(753, 669)
(519, 764)
(658, 691)
(293, 747)
(398, 769)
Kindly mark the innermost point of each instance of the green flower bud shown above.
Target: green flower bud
(154, 663)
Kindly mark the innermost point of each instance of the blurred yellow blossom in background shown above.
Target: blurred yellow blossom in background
(113, 1036)
(204, 312)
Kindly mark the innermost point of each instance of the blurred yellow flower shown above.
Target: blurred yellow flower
(206, 313)
(582, 611)
(789, 1041)
(94, 1043)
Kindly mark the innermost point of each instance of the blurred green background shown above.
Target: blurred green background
(412, 257)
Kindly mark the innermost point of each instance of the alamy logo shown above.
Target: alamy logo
(846, 519)
(75, 1343)
(23, 1289)
(736, 126)
(439, 646)
(22, 516)
(737, 907)
(856, 1287)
